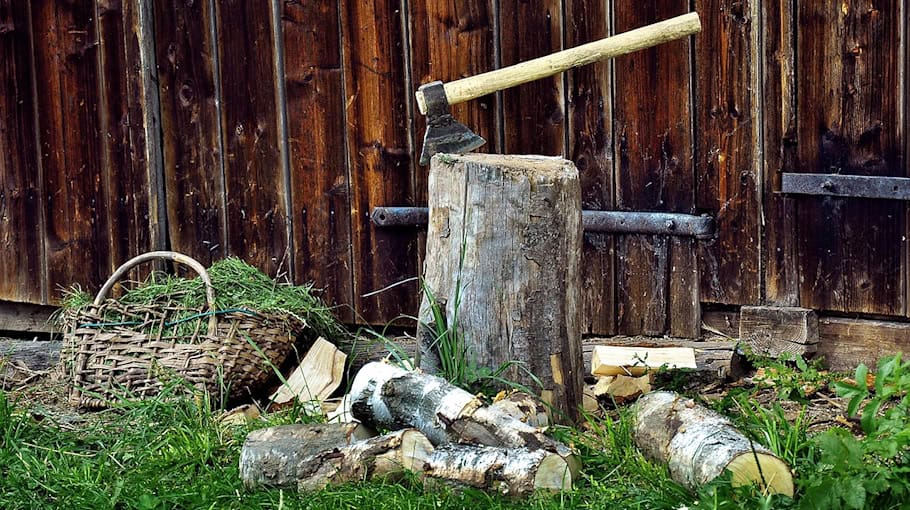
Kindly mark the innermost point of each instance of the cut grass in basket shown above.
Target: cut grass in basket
(237, 285)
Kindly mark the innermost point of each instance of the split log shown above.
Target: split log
(310, 457)
(524, 407)
(620, 388)
(316, 378)
(714, 359)
(387, 397)
(699, 444)
(617, 360)
(503, 247)
(512, 471)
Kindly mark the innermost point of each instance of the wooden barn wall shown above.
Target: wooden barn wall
(269, 129)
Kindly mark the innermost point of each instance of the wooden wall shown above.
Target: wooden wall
(269, 129)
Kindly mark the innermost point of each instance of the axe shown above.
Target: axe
(445, 134)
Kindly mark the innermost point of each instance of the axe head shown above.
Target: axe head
(444, 133)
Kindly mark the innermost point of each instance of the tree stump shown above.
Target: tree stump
(503, 249)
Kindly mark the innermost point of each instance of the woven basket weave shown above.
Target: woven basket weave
(105, 362)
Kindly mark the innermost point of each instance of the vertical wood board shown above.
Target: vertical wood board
(533, 113)
(21, 242)
(253, 171)
(320, 191)
(778, 54)
(727, 181)
(190, 129)
(591, 149)
(66, 66)
(850, 122)
(653, 139)
(379, 157)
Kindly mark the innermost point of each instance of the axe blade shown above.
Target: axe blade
(449, 136)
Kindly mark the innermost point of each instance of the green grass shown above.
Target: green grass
(172, 452)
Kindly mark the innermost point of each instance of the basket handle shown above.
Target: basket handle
(168, 255)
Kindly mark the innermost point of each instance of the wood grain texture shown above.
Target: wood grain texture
(845, 343)
(778, 54)
(190, 129)
(850, 122)
(653, 139)
(320, 191)
(66, 66)
(128, 194)
(590, 129)
(503, 255)
(22, 275)
(379, 155)
(534, 113)
(254, 177)
(726, 180)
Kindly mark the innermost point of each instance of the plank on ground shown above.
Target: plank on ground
(379, 155)
(320, 192)
(190, 129)
(653, 139)
(590, 131)
(22, 275)
(254, 172)
(850, 255)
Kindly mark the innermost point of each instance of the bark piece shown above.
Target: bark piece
(774, 330)
(616, 360)
(386, 397)
(317, 376)
(513, 471)
(503, 246)
(523, 406)
(699, 444)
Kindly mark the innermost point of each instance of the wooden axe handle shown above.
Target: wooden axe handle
(465, 89)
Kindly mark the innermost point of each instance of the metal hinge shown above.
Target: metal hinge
(612, 222)
(838, 185)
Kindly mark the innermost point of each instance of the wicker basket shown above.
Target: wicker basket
(106, 362)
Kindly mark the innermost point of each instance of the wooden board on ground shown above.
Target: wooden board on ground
(316, 378)
(773, 331)
(615, 360)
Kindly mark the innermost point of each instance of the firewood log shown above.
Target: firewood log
(699, 444)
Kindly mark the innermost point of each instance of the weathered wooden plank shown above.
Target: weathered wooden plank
(253, 174)
(684, 314)
(320, 197)
(66, 66)
(534, 113)
(122, 117)
(845, 343)
(777, 53)
(21, 241)
(653, 139)
(26, 317)
(190, 129)
(379, 155)
(591, 148)
(726, 179)
(850, 123)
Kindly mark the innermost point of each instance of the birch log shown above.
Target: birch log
(310, 457)
(503, 248)
(699, 444)
(387, 397)
(512, 471)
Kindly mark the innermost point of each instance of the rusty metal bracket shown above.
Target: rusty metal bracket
(611, 222)
(838, 185)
